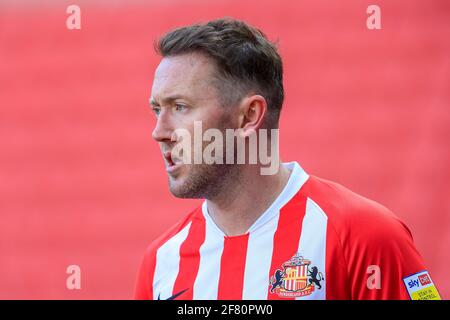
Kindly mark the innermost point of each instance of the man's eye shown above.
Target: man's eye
(180, 107)
(156, 110)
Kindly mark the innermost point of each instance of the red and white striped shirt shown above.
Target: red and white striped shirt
(318, 240)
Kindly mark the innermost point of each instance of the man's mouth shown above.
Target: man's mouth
(172, 163)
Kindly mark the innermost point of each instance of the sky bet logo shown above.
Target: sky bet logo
(424, 280)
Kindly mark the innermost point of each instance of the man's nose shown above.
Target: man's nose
(162, 131)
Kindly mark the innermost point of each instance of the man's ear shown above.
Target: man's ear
(253, 111)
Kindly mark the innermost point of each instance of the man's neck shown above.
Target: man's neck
(235, 210)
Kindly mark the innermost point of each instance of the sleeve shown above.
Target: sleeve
(144, 282)
(382, 261)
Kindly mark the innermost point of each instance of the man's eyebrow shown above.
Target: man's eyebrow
(166, 100)
(152, 102)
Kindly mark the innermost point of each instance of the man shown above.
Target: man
(282, 234)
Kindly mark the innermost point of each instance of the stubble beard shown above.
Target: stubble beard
(205, 181)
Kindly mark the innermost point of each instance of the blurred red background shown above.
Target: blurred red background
(82, 182)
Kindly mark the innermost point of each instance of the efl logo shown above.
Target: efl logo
(424, 279)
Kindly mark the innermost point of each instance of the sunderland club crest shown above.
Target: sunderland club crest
(296, 278)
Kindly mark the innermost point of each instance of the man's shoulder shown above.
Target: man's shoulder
(352, 214)
(192, 217)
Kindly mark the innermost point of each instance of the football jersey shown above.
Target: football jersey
(317, 240)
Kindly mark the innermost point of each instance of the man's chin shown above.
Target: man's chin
(198, 182)
(179, 188)
(183, 193)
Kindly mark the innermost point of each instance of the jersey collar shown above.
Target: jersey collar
(296, 180)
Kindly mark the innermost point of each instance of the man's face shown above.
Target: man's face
(183, 92)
